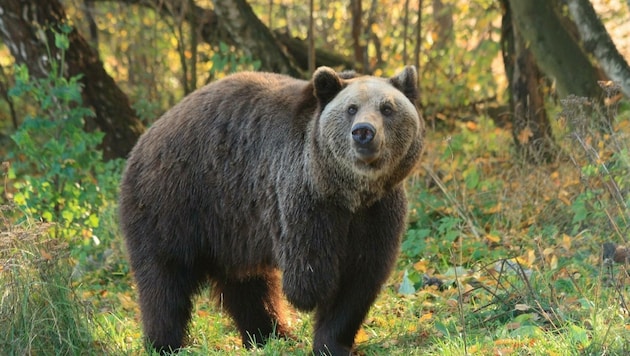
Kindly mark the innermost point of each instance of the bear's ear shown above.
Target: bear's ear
(407, 82)
(326, 85)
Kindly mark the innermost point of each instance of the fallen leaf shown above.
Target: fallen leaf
(493, 238)
(522, 307)
(421, 266)
(45, 255)
(524, 136)
(426, 317)
(362, 336)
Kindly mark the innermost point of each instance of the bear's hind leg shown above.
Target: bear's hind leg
(255, 304)
(165, 296)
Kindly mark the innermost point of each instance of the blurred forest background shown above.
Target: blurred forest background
(518, 236)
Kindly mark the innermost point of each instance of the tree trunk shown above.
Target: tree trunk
(299, 49)
(213, 31)
(443, 17)
(405, 33)
(311, 37)
(556, 52)
(531, 128)
(418, 48)
(253, 37)
(22, 25)
(357, 17)
(596, 39)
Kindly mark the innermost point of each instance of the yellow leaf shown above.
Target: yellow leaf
(554, 262)
(548, 251)
(566, 242)
(362, 336)
(421, 266)
(494, 209)
(493, 238)
(472, 126)
(524, 136)
(527, 259)
(426, 317)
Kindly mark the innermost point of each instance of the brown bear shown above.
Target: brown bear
(259, 173)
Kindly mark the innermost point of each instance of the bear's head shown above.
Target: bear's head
(365, 123)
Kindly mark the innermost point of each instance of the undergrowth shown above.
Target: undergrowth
(501, 256)
(40, 312)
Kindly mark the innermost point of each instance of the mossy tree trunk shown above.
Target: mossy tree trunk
(557, 53)
(598, 41)
(253, 37)
(531, 128)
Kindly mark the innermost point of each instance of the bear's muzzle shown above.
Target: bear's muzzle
(366, 142)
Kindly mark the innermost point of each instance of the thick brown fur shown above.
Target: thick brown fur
(257, 173)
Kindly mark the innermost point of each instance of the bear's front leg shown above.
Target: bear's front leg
(372, 247)
(309, 255)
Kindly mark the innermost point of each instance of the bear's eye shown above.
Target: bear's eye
(352, 109)
(387, 109)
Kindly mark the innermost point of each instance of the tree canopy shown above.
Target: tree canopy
(137, 57)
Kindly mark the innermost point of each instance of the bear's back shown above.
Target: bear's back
(209, 165)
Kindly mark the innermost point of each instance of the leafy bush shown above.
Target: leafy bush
(600, 153)
(58, 174)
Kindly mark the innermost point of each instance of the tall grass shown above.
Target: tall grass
(40, 314)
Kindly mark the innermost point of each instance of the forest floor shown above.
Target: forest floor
(502, 257)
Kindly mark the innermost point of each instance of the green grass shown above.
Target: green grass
(517, 248)
(40, 312)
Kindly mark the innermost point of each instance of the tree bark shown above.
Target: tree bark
(357, 17)
(597, 40)
(443, 17)
(298, 49)
(531, 128)
(405, 32)
(253, 37)
(212, 32)
(556, 52)
(26, 28)
(311, 37)
(418, 47)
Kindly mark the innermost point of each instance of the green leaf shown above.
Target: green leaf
(406, 286)
(61, 41)
(67, 215)
(93, 220)
(47, 216)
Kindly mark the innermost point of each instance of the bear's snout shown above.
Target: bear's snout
(366, 141)
(363, 133)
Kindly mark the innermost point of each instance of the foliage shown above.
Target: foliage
(500, 257)
(40, 312)
(601, 154)
(224, 61)
(515, 251)
(57, 173)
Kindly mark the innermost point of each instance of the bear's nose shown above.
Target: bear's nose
(363, 133)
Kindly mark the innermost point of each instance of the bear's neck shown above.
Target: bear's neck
(338, 183)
